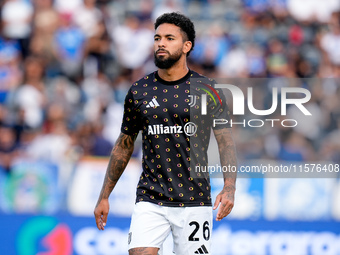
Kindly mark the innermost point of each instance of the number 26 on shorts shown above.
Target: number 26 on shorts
(205, 228)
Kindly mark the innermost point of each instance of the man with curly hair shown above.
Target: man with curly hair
(171, 195)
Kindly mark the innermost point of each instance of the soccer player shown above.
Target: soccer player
(171, 195)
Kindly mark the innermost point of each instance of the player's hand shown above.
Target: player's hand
(226, 198)
(100, 213)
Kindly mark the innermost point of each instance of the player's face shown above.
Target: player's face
(169, 45)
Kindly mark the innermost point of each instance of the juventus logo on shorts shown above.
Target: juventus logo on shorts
(202, 250)
(129, 237)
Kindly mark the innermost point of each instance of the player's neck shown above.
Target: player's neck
(174, 73)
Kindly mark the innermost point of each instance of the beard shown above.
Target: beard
(164, 62)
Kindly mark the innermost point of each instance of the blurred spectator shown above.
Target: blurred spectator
(145, 10)
(101, 146)
(330, 41)
(256, 5)
(312, 9)
(99, 57)
(3, 115)
(54, 113)
(10, 60)
(53, 145)
(211, 46)
(132, 55)
(8, 147)
(97, 51)
(67, 6)
(279, 8)
(309, 126)
(121, 85)
(45, 18)
(45, 23)
(91, 140)
(112, 121)
(69, 43)
(83, 137)
(166, 6)
(276, 60)
(303, 68)
(295, 35)
(330, 145)
(68, 96)
(88, 18)
(295, 147)
(256, 61)
(16, 21)
(30, 98)
(114, 110)
(98, 94)
(234, 64)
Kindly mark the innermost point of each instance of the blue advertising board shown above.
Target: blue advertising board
(66, 235)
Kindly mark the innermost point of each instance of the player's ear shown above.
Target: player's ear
(187, 46)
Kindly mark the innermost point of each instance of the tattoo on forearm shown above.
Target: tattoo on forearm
(229, 190)
(120, 156)
(228, 157)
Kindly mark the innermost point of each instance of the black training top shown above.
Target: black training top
(176, 119)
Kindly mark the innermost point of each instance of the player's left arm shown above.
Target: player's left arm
(227, 153)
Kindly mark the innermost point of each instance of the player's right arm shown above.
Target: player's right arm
(120, 156)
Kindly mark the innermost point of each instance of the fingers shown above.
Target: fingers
(217, 201)
(100, 213)
(101, 219)
(224, 209)
(219, 213)
(99, 222)
(104, 219)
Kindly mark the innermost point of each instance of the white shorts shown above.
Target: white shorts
(190, 226)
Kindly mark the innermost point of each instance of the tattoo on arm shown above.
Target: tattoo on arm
(228, 157)
(120, 156)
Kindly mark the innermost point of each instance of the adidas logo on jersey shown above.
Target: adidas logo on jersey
(152, 104)
(202, 250)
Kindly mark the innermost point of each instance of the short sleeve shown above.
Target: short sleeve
(131, 120)
(219, 110)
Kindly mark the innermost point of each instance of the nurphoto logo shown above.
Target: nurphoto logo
(239, 100)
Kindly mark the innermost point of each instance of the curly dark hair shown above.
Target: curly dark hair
(183, 22)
